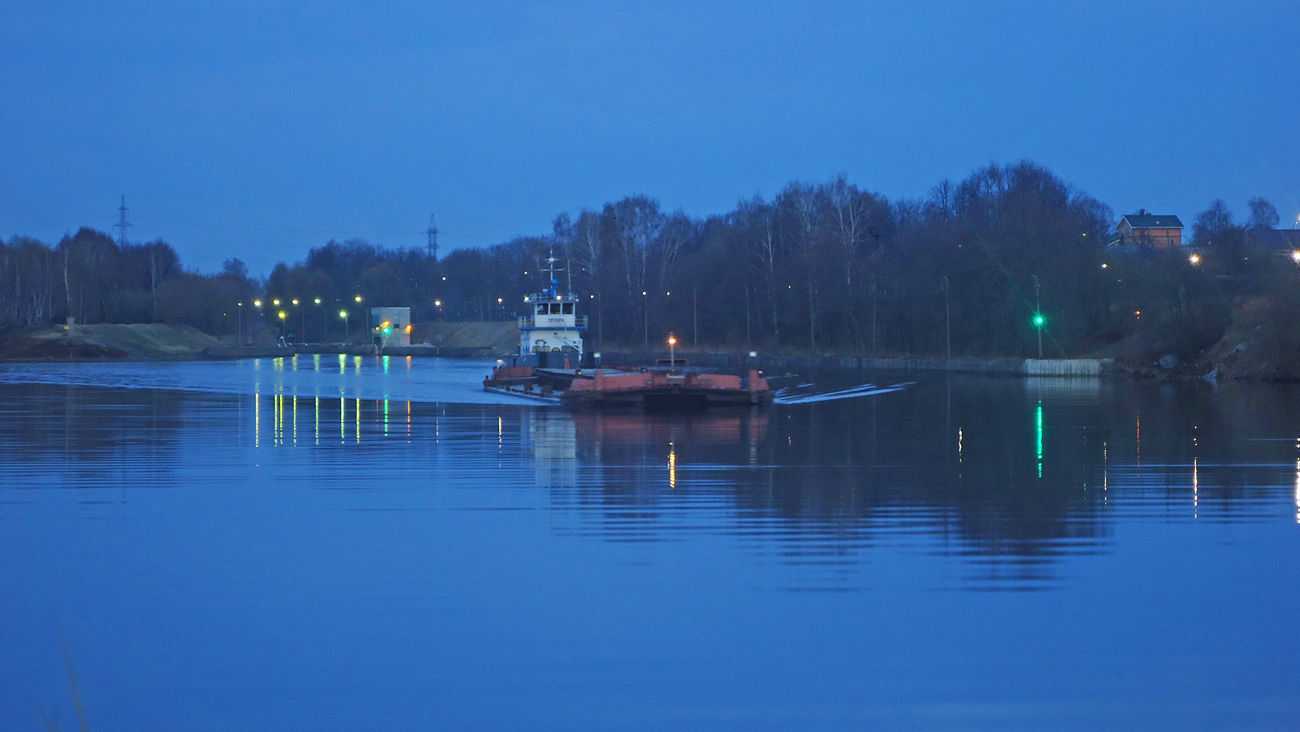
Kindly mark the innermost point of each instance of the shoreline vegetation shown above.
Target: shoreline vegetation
(990, 269)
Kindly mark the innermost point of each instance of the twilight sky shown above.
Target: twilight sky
(258, 129)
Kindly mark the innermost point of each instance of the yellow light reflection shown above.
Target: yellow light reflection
(257, 420)
(672, 466)
(1196, 489)
(385, 412)
(317, 434)
(343, 415)
(358, 419)
(295, 420)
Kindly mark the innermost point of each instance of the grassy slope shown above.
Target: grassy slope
(153, 342)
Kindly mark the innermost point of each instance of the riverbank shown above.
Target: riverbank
(161, 342)
(107, 341)
(1237, 356)
(774, 363)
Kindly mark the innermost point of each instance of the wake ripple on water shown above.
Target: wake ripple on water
(784, 396)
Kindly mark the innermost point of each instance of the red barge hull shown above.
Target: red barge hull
(650, 389)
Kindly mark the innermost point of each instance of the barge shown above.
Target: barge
(549, 368)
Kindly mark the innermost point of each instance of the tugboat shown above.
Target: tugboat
(549, 367)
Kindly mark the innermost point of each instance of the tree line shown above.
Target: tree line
(826, 267)
(90, 277)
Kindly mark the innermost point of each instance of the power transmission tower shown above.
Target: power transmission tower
(122, 225)
(432, 233)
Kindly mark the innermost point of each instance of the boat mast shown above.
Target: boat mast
(550, 271)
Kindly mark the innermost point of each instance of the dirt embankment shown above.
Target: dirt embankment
(490, 338)
(139, 342)
(158, 342)
(1256, 339)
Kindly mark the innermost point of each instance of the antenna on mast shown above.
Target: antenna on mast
(432, 233)
(121, 224)
(550, 271)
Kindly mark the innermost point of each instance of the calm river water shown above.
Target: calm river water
(359, 543)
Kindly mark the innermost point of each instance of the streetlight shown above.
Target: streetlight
(1295, 256)
(358, 298)
(294, 301)
(282, 325)
(344, 314)
(695, 318)
(276, 302)
(672, 349)
(645, 308)
(1195, 259)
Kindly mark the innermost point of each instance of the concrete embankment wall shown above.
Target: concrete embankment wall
(1083, 367)
(349, 349)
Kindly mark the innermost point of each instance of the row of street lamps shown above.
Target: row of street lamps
(283, 316)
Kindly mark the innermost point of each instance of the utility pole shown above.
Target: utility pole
(1038, 316)
(695, 321)
(122, 225)
(873, 315)
(812, 321)
(747, 337)
(947, 314)
(432, 233)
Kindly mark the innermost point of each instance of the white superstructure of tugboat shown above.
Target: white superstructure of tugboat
(550, 331)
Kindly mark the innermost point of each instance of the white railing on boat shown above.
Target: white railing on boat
(529, 321)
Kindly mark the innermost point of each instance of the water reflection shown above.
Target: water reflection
(838, 479)
(1008, 479)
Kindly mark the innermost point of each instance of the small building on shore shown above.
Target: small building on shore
(1142, 229)
(390, 327)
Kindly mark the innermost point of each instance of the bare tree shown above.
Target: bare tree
(1263, 215)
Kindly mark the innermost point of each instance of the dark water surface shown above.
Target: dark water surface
(358, 544)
